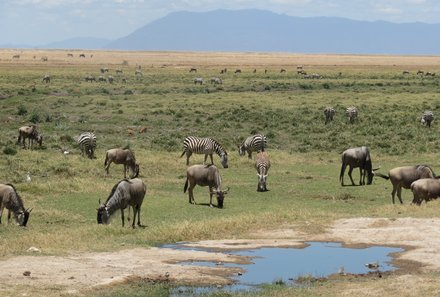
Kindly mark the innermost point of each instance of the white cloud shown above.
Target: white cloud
(416, 1)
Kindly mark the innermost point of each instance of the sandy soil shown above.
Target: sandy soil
(76, 272)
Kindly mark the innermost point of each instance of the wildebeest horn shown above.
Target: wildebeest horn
(226, 191)
(29, 211)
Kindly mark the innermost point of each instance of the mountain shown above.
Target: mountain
(77, 43)
(256, 30)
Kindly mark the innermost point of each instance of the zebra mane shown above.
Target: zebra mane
(218, 147)
(114, 189)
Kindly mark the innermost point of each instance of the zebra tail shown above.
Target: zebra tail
(184, 151)
(186, 186)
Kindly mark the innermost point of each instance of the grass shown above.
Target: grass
(164, 102)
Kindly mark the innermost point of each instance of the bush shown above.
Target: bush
(34, 118)
(22, 110)
(9, 151)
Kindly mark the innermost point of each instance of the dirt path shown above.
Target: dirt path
(79, 271)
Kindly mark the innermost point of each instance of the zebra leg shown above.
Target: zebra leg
(188, 154)
(212, 161)
(249, 154)
(206, 157)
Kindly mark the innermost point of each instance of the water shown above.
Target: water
(318, 259)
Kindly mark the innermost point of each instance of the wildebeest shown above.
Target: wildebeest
(405, 72)
(357, 157)
(403, 177)
(205, 175)
(351, 113)
(70, 55)
(90, 78)
(262, 165)
(421, 72)
(237, 71)
(126, 193)
(223, 71)
(110, 79)
(206, 146)
(216, 80)
(104, 69)
(16, 57)
(428, 73)
(10, 200)
(46, 78)
(329, 113)
(427, 118)
(193, 69)
(82, 55)
(31, 133)
(102, 78)
(138, 72)
(198, 80)
(282, 70)
(425, 189)
(254, 143)
(44, 59)
(119, 71)
(122, 156)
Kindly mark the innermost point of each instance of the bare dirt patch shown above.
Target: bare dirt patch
(81, 271)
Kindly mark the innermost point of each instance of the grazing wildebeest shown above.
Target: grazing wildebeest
(193, 69)
(428, 73)
(198, 80)
(119, 71)
(237, 71)
(10, 200)
(102, 78)
(31, 133)
(16, 57)
(425, 189)
(90, 78)
(216, 81)
(205, 175)
(421, 72)
(351, 113)
(46, 78)
(44, 59)
(70, 55)
(82, 55)
(223, 71)
(329, 113)
(254, 143)
(138, 72)
(357, 157)
(104, 69)
(282, 70)
(405, 72)
(262, 165)
(427, 118)
(403, 177)
(122, 156)
(110, 79)
(126, 193)
(206, 146)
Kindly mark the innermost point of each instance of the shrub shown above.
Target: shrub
(22, 110)
(34, 118)
(9, 151)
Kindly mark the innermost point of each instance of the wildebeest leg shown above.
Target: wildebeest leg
(399, 195)
(107, 167)
(362, 176)
(1, 211)
(135, 209)
(349, 174)
(122, 216)
(191, 195)
(393, 193)
(9, 216)
(210, 197)
(139, 216)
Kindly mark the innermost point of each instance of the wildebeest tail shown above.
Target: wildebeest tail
(342, 168)
(382, 175)
(186, 186)
(106, 159)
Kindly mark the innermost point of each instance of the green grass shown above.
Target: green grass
(303, 180)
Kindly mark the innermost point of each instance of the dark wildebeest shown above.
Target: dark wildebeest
(403, 177)
(237, 71)
(90, 78)
(10, 200)
(193, 69)
(329, 113)
(46, 79)
(425, 189)
(427, 118)
(405, 72)
(122, 156)
(205, 175)
(31, 133)
(262, 165)
(126, 193)
(357, 157)
(282, 70)
(82, 55)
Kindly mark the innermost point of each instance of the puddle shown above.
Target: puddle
(286, 265)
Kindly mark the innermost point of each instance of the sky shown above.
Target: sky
(38, 22)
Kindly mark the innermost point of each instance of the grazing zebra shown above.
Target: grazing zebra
(198, 80)
(254, 143)
(216, 81)
(262, 165)
(206, 146)
(351, 113)
(87, 144)
(427, 118)
(110, 79)
(46, 78)
(329, 114)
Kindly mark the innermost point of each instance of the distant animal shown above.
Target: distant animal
(126, 193)
(404, 72)
(87, 144)
(262, 165)
(358, 157)
(282, 70)
(254, 143)
(198, 80)
(301, 71)
(10, 200)
(82, 55)
(351, 113)
(237, 71)
(138, 72)
(425, 189)
(265, 71)
(102, 78)
(124, 80)
(403, 177)
(122, 156)
(430, 73)
(44, 59)
(255, 71)
(329, 113)
(46, 78)
(193, 69)
(205, 175)
(119, 71)
(70, 55)
(31, 133)
(110, 79)
(299, 67)
(206, 146)
(223, 71)
(90, 78)
(216, 81)
(421, 72)
(427, 118)
(104, 69)
(16, 57)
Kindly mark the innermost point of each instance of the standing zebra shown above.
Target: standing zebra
(254, 143)
(87, 144)
(351, 113)
(427, 118)
(206, 146)
(262, 164)
(329, 114)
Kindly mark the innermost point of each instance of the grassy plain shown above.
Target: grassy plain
(303, 181)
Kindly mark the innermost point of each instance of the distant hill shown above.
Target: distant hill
(77, 43)
(256, 30)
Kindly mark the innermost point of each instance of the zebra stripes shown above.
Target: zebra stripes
(262, 165)
(427, 118)
(254, 143)
(351, 113)
(87, 144)
(206, 146)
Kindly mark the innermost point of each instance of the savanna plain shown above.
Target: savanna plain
(153, 112)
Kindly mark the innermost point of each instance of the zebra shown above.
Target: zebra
(329, 114)
(351, 113)
(254, 143)
(207, 146)
(427, 118)
(87, 144)
(46, 78)
(262, 165)
(198, 80)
